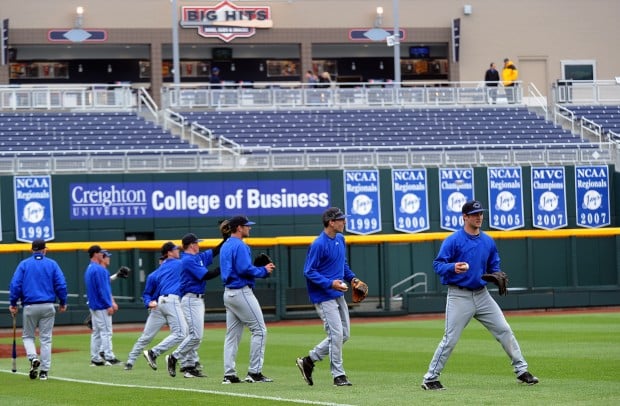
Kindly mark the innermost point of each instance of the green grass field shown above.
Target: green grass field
(576, 357)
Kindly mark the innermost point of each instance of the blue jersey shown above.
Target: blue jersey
(98, 288)
(38, 279)
(478, 251)
(237, 270)
(326, 261)
(169, 276)
(151, 291)
(193, 270)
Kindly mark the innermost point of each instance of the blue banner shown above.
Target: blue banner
(505, 198)
(410, 200)
(362, 203)
(103, 201)
(456, 187)
(592, 196)
(549, 198)
(34, 218)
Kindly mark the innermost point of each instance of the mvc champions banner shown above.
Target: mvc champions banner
(456, 187)
(549, 198)
(362, 201)
(33, 208)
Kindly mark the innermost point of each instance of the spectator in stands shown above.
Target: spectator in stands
(491, 80)
(215, 79)
(311, 78)
(510, 75)
(325, 80)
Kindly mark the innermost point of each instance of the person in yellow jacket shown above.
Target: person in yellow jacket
(510, 75)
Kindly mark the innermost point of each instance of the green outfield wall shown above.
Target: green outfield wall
(548, 268)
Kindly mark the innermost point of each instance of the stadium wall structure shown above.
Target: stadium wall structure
(569, 267)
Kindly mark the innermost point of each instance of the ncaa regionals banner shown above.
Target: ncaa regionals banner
(592, 196)
(33, 208)
(362, 205)
(410, 200)
(456, 187)
(505, 198)
(549, 198)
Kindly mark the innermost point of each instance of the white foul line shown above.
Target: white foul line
(211, 392)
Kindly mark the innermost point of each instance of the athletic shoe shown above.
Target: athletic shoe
(228, 379)
(432, 385)
(151, 358)
(34, 366)
(527, 378)
(113, 361)
(342, 381)
(306, 366)
(193, 373)
(172, 365)
(257, 377)
(102, 363)
(198, 366)
(43, 375)
(128, 366)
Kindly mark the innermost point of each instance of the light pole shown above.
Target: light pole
(176, 66)
(397, 74)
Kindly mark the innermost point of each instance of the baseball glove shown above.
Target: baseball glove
(498, 278)
(360, 290)
(88, 322)
(225, 229)
(123, 272)
(262, 259)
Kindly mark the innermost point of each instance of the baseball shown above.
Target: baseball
(343, 285)
(466, 266)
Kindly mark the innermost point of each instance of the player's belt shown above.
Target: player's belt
(196, 295)
(171, 296)
(464, 288)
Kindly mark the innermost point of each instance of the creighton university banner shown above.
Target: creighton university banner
(33, 208)
(505, 198)
(410, 200)
(456, 187)
(549, 198)
(362, 206)
(103, 201)
(592, 196)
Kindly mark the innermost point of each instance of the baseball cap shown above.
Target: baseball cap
(333, 213)
(95, 249)
(38, 245)
(239, 221)
(472, 206)
(169, 246)
(189, 239)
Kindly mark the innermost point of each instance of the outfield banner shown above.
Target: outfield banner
(505, 198)
(103, 201)
(362, 201)
(456, 187)
(34, 217)
(410, 200)
(549, 198)
(592, 196)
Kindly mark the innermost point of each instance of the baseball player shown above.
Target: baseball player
(36, 283)
(463, 258)
(325, 270)
(162, 297)
(194, 277)
(102, 306)
(242, 307)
